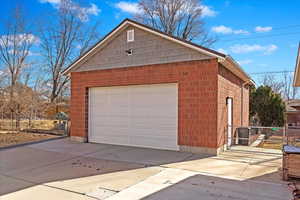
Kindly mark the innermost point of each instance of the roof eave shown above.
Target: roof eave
(94, 47)
(236, 69)
(296, 81)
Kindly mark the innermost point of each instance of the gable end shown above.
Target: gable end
(145, 49)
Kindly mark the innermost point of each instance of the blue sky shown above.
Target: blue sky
(262, 35)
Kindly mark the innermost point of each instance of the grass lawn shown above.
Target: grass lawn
(270, 145)
(8, 138)
(275, 142)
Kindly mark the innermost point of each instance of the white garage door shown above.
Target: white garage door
(139, 115)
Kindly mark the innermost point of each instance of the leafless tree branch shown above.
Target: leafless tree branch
(180, 18)
(15, 46)
(61, 42)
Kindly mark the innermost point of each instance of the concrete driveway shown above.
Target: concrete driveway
(62, 169)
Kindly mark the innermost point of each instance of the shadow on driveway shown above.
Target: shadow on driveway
(98, 171)
(212, 188)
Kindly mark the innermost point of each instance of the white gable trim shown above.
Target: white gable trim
(235, 68)
(175, 40)
(126, 23)
(296, 81)
(93, 49)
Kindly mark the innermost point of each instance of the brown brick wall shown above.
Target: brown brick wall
(197, 101)
(230, 85)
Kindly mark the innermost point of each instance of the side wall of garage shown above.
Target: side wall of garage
(197, 97)
(229, 85)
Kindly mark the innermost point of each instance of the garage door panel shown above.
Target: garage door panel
(143, 115)
(153, 124)
(110, 122)
(113, 133)
(155, 100)
(118, 140)
(152, 142)
(110, 133)
(167, 113)
(166, 136)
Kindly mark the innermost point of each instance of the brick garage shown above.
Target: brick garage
(230, 85)
(204, 84)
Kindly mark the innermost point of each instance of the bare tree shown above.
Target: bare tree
(62, 41)
(2, 100)
(180, 18)
(15, 45)
(282, 84)
(289, 92)
(271, 81)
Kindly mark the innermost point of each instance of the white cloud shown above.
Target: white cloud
(30, 53)
(222, 29)
(222, 51)
(92, 10)
(83, 13)
(128, 7)
(262, 65)
(240, 32)
(207, 11)
(227, 30)
(2, 75)
(29, 38)
(51, 1)
(245, 48)
(78, 46)
(245, 62)
(133, 8)
(261, 29)
(9, 40)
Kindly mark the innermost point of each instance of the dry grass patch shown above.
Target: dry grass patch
(34, 124)
(8, 138)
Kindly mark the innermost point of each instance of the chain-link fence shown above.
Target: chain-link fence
(48, 126)
(267, 137)
(293, 136)
(261, 137)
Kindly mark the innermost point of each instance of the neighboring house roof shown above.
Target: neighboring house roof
(293, 105)
(297, 69)
(226, 60)
(289, 108)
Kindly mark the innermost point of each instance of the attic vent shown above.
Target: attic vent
(130, 35)
(129, 52)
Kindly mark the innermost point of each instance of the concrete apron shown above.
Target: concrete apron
(91, 187)
(232, 175)
(177, 184)
(230, 172)
(154, 183)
